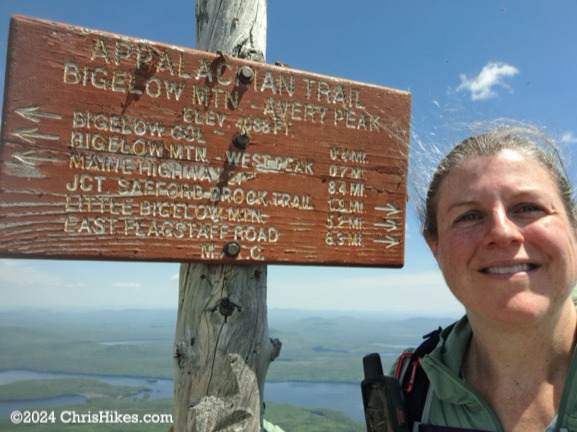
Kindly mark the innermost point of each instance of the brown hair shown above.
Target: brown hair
(524, 140)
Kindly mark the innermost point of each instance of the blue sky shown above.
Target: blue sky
(463, 62)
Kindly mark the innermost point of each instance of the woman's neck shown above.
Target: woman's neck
(521, 370)
(510, 350)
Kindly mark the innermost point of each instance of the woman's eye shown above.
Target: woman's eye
(468, 217)
(529, 208)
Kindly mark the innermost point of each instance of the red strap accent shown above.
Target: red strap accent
(403, 358)
(413, 374)
(414, 365)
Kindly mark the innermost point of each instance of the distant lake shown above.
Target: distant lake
(343, 397)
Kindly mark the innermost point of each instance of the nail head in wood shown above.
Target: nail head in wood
(241, 140)
(232, 249)
(245, 75)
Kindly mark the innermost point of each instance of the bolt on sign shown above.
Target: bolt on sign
(123, 149)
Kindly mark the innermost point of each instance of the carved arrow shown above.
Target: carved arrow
(31, 135)
(31, 113)
(30, 157)
(389, 224)
(390, 241)
(391, 209)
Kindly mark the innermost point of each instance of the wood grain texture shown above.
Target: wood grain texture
(117, 148)
(222, 345)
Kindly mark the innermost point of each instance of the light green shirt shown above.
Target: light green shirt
(454, 403)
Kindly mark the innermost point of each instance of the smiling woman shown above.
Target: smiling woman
(500, 219)
(504, 223)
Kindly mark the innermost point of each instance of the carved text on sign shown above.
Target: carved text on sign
(120, 148)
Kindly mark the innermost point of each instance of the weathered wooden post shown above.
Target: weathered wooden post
(222, 346)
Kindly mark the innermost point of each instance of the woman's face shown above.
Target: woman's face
(505, 244)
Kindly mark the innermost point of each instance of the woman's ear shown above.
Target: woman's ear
(433, 244)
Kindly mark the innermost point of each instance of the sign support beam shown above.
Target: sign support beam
(222, 345)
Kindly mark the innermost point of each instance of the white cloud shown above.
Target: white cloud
(569, 138)
(418, 289)
(127, 284)
(16, 275)
(483, 85)
(421, 293)
(64, 284)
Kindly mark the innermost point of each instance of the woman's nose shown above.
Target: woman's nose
(502, 231)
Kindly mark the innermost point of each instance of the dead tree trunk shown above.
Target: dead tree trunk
(222, 346)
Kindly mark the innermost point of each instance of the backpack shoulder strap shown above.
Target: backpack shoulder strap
(413, 379)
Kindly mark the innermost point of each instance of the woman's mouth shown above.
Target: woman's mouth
(509, 269)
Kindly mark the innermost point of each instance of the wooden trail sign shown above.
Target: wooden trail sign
(119, 148)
